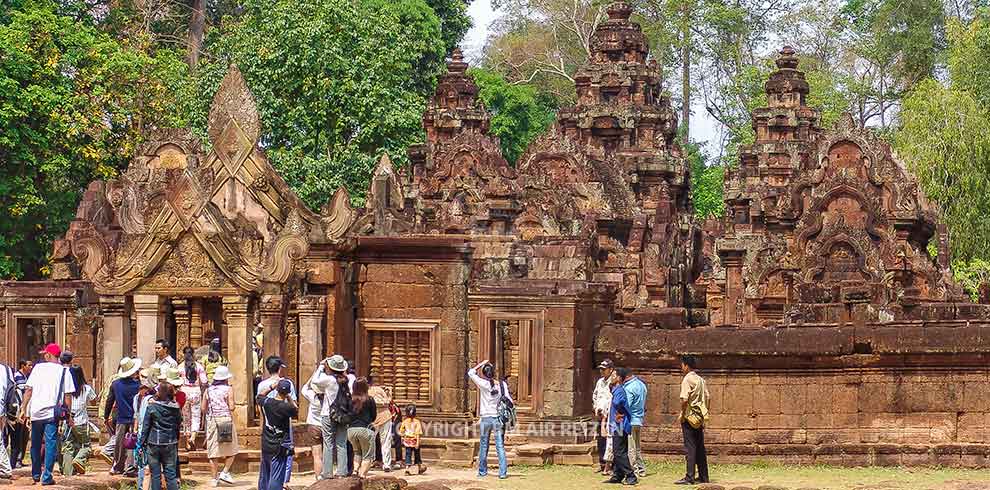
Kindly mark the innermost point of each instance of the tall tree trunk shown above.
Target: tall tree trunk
(197, 27)
(686, 67)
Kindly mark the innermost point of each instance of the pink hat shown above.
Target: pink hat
(52, 349)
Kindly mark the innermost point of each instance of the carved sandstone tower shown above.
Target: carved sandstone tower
(611, 167)
(822, 225)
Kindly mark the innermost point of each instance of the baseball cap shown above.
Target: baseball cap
(52, 349)
(284, 386)
(605, 364)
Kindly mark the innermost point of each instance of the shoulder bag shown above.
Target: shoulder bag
(695, 418)
(225, 425)
(62, 411)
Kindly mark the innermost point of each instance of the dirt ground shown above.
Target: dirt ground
(660, 476)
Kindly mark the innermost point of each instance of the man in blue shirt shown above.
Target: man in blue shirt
(619, 424)
(636, 399)
(121, 395)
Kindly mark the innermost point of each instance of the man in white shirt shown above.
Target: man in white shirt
(329, 379)
(491, 391)
(275, 367)
(41, 394)
(602, 402)
(314, 426)
(163, 361)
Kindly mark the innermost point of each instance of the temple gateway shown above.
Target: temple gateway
(826, 329)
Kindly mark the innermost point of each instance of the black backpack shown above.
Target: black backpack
(341, 411)
(11, 396)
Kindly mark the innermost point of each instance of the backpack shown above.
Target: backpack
(11, 396)
(341, 412)
(506, 410)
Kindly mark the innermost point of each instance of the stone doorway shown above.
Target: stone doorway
(514, 343)
(34, 333)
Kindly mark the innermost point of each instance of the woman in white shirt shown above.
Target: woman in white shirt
(491, 391)
(75, 449)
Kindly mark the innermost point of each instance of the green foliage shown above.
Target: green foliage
(336, 82)
(519, 112)
(706, 182)
(73, 102)
(971, 274)
(945, 139)
(907, 35)
(454, 20)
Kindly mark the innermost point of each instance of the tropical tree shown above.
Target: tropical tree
(945, 139)
(336, 82)
(519, 112)
(73, 104)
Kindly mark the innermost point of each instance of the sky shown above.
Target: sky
(704, 128)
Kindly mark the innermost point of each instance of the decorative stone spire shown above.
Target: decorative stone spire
(787, 86)
(454, 108)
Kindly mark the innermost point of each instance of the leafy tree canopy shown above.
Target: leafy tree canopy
(73, 103)
(336, 82)
(945, 140)
(519, 112)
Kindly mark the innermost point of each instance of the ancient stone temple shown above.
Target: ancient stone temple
(825, 328)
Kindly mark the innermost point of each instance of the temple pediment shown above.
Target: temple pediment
(181, 218)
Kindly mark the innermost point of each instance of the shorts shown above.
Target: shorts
(313, 436)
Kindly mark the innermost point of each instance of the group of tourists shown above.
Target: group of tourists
(351, 422)
(619, 402)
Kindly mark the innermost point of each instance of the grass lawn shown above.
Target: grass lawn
(662, 475)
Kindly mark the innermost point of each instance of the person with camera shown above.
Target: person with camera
(277, 444)
(47, 398)
(331, 380)
(492, 392)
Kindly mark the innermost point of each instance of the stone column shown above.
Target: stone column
(312, 311)
(273, 319)
(150, 325)
(116, 333)
(180, 308)
(235, 311)
(195, 322)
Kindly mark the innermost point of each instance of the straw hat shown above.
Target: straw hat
(174, 377)
(128, 367)
(222, 373)
(337, 363)
(149, 377)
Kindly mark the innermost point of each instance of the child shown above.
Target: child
(411, 431)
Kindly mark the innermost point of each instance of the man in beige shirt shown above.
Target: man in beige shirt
(383, 423)
(694, 414)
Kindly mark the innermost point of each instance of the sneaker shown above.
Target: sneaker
(225, 477)
(684, 481)
(78, 468)
(106, 457)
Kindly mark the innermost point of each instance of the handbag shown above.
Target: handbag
(62, 411)
(130, 440)
(225, 425)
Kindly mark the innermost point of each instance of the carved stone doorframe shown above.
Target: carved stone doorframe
(530, 346)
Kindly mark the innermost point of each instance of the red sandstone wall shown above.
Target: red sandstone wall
(855, 416)
(428, 291)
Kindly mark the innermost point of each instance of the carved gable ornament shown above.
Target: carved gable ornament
(182, 219)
